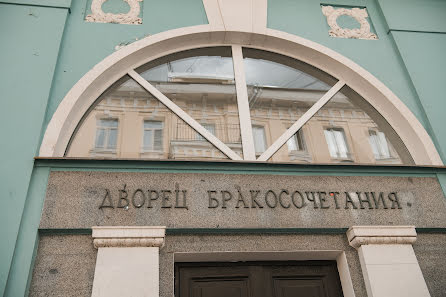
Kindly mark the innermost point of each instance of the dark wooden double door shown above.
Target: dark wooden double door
(258, 279)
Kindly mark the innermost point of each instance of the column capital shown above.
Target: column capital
(125, 236)
(363, 235)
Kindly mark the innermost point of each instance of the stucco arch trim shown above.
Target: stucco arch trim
(79, 99)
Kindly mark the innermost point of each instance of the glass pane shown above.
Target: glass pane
(100, 137)
(259, 139)
(280, 91)
(201, 82)
(112, 138)
(347, 130)
(148, 140)
(128, 122)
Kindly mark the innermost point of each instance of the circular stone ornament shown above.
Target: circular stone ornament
(99, 16)
(359, 14)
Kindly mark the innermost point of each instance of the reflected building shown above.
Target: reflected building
(130, 123)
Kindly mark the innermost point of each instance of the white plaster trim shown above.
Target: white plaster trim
(301, 255)
(358, 14)
(126, 236)
(364, 235)
(237, 15)
(249, 151)
(99, 16)
(301, 121)
(76, 103)
(213, 14)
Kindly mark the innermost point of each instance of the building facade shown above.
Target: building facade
(223, 148)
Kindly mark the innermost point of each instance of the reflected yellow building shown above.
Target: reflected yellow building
(129, 123)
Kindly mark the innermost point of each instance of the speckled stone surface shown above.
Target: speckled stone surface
(65, 263)
(430, 250)
(252, 243)
(73, 200)
(64, 266)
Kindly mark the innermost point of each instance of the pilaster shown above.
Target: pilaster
(388, 261)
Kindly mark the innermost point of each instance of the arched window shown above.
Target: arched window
(235, 103)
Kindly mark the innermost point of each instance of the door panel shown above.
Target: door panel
(258, 279)
(298, 287)
(219, 288)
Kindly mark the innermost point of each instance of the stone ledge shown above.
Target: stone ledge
(120, 236)
(363, 235)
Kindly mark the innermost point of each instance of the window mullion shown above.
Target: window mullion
(300, 122)
(184, 116)
(249, 152)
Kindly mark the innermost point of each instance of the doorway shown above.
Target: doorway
(258, 279)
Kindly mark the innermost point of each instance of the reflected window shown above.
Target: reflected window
(296, 143)
(258, 132)
(380, 146)
(106, 134)
(207, 126)
(153, 136)
(337, 145)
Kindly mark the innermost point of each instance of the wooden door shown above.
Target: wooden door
(258, 279)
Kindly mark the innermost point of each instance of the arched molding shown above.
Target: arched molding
(79, 99)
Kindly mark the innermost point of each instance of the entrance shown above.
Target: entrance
(258, 279)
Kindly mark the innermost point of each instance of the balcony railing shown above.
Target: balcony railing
(227, 133)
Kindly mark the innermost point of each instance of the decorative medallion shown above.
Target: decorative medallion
(358, 14)
(99, 16)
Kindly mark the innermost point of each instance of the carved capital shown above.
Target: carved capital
(358, 14)
(128, 236)
(99, 16)
(363, 235)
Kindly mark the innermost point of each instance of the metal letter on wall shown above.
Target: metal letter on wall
(359, 14)
(99, 16)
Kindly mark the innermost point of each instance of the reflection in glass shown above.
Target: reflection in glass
(258, 132)
(347, 130)
(337, 145)
(153, 136)
(280, 91)
(379, 144)
(106, 132)
(128, 122)
(201, 82)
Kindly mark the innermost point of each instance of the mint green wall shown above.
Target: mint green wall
(86, 44)
(415, 15)
(424, 55)
(21, 267)
(418, 28)
(30, 40)
(34, 78)
(47, 47)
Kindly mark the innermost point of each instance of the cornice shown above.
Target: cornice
(128, 236)
(365, 235)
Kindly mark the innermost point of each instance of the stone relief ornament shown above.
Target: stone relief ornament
(99, 16)
(358, 14)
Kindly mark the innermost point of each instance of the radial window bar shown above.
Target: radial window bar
(294, 79)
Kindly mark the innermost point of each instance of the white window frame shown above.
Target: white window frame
(294, 140)
(380, 140)
(105, 147)
(152, 149)
(337, 146)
